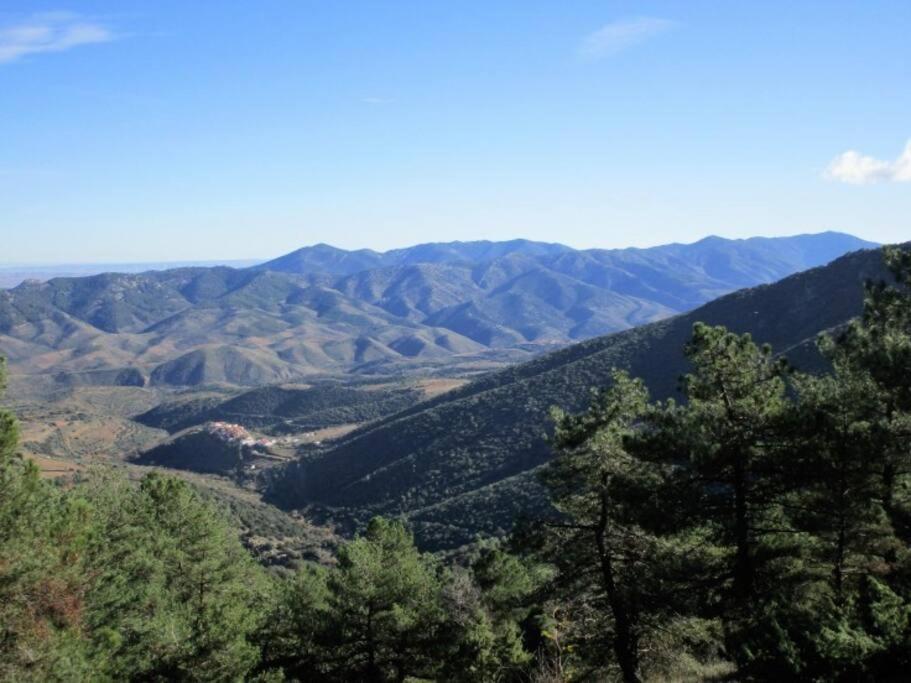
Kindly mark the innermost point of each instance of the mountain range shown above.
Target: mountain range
(464, 463)
(322, 310)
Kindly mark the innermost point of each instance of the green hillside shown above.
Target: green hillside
(278, 409)
(463, 463)
(199, 451)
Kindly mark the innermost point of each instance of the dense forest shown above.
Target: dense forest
(282, 410)
(758, 529)
(467, 461)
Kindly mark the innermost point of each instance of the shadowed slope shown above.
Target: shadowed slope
(461, 464)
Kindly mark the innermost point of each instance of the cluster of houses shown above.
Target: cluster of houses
(235, 433)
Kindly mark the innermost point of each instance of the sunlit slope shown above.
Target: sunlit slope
(322, 310)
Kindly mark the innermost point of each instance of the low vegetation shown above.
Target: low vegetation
(757, 530)
(465, 463)
(322, 311)
(283, 410)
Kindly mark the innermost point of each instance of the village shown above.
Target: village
(235, 433)
(231, 432)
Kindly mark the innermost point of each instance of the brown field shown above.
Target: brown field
(81, 426)
(66, 429)
(80, 436)
(51, 468)
(330, 433)
(440, 385)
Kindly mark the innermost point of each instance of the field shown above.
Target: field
(52, 468)
(68, 430)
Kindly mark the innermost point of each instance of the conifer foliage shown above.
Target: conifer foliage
(758, 529)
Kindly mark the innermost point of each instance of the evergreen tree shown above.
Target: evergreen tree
(810, 622)
(591, 465)
(617, 579)
(879, 344)
(837, 493)
(728, 435)
(498, 608)
(175, 595)
(386, 611)
(42, 585)
(293, 638)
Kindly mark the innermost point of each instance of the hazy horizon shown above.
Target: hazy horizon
(152, 131)
(7, 266)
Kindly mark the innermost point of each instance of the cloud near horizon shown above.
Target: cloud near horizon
(620, 35)
(860, 169)
(49, 32)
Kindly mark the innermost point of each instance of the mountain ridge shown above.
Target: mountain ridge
(463, 463)
(465, 304)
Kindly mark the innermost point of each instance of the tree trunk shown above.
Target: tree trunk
(624, 641)
(743, 563)
(889, 488)
(841, 541)
(373, 673)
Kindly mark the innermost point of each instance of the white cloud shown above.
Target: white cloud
(50, 32)
(620, 35)
(860, 169)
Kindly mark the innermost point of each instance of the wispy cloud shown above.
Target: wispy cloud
(375, 101)
(49, 32)
(860, 169)
(622, 34)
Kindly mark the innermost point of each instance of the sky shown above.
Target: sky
(163, 130)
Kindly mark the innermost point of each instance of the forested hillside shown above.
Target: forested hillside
(286, 409)
(465, 463)
(757, 530)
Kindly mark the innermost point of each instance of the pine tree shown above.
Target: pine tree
(175, 595)
(622, 566)
(293, 638)
(42, 585)
(728, 436)
(385, 606)
(500, 586)
(835, 472)
(583, 480)
(879, 343)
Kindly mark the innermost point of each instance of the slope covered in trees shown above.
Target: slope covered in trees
(113, 580)
(464, 463)
(278, 409)
(759, 530)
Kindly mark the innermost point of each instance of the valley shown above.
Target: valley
(466, 462)
(455, 309)
(450, 466)
(450, 441)
(455, 342)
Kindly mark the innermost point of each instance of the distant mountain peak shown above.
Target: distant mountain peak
(465, 463)
(325, 258)
(326, 309)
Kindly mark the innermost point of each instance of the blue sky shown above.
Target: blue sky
(162, 130)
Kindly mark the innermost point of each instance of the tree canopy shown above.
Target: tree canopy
(758, 529)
